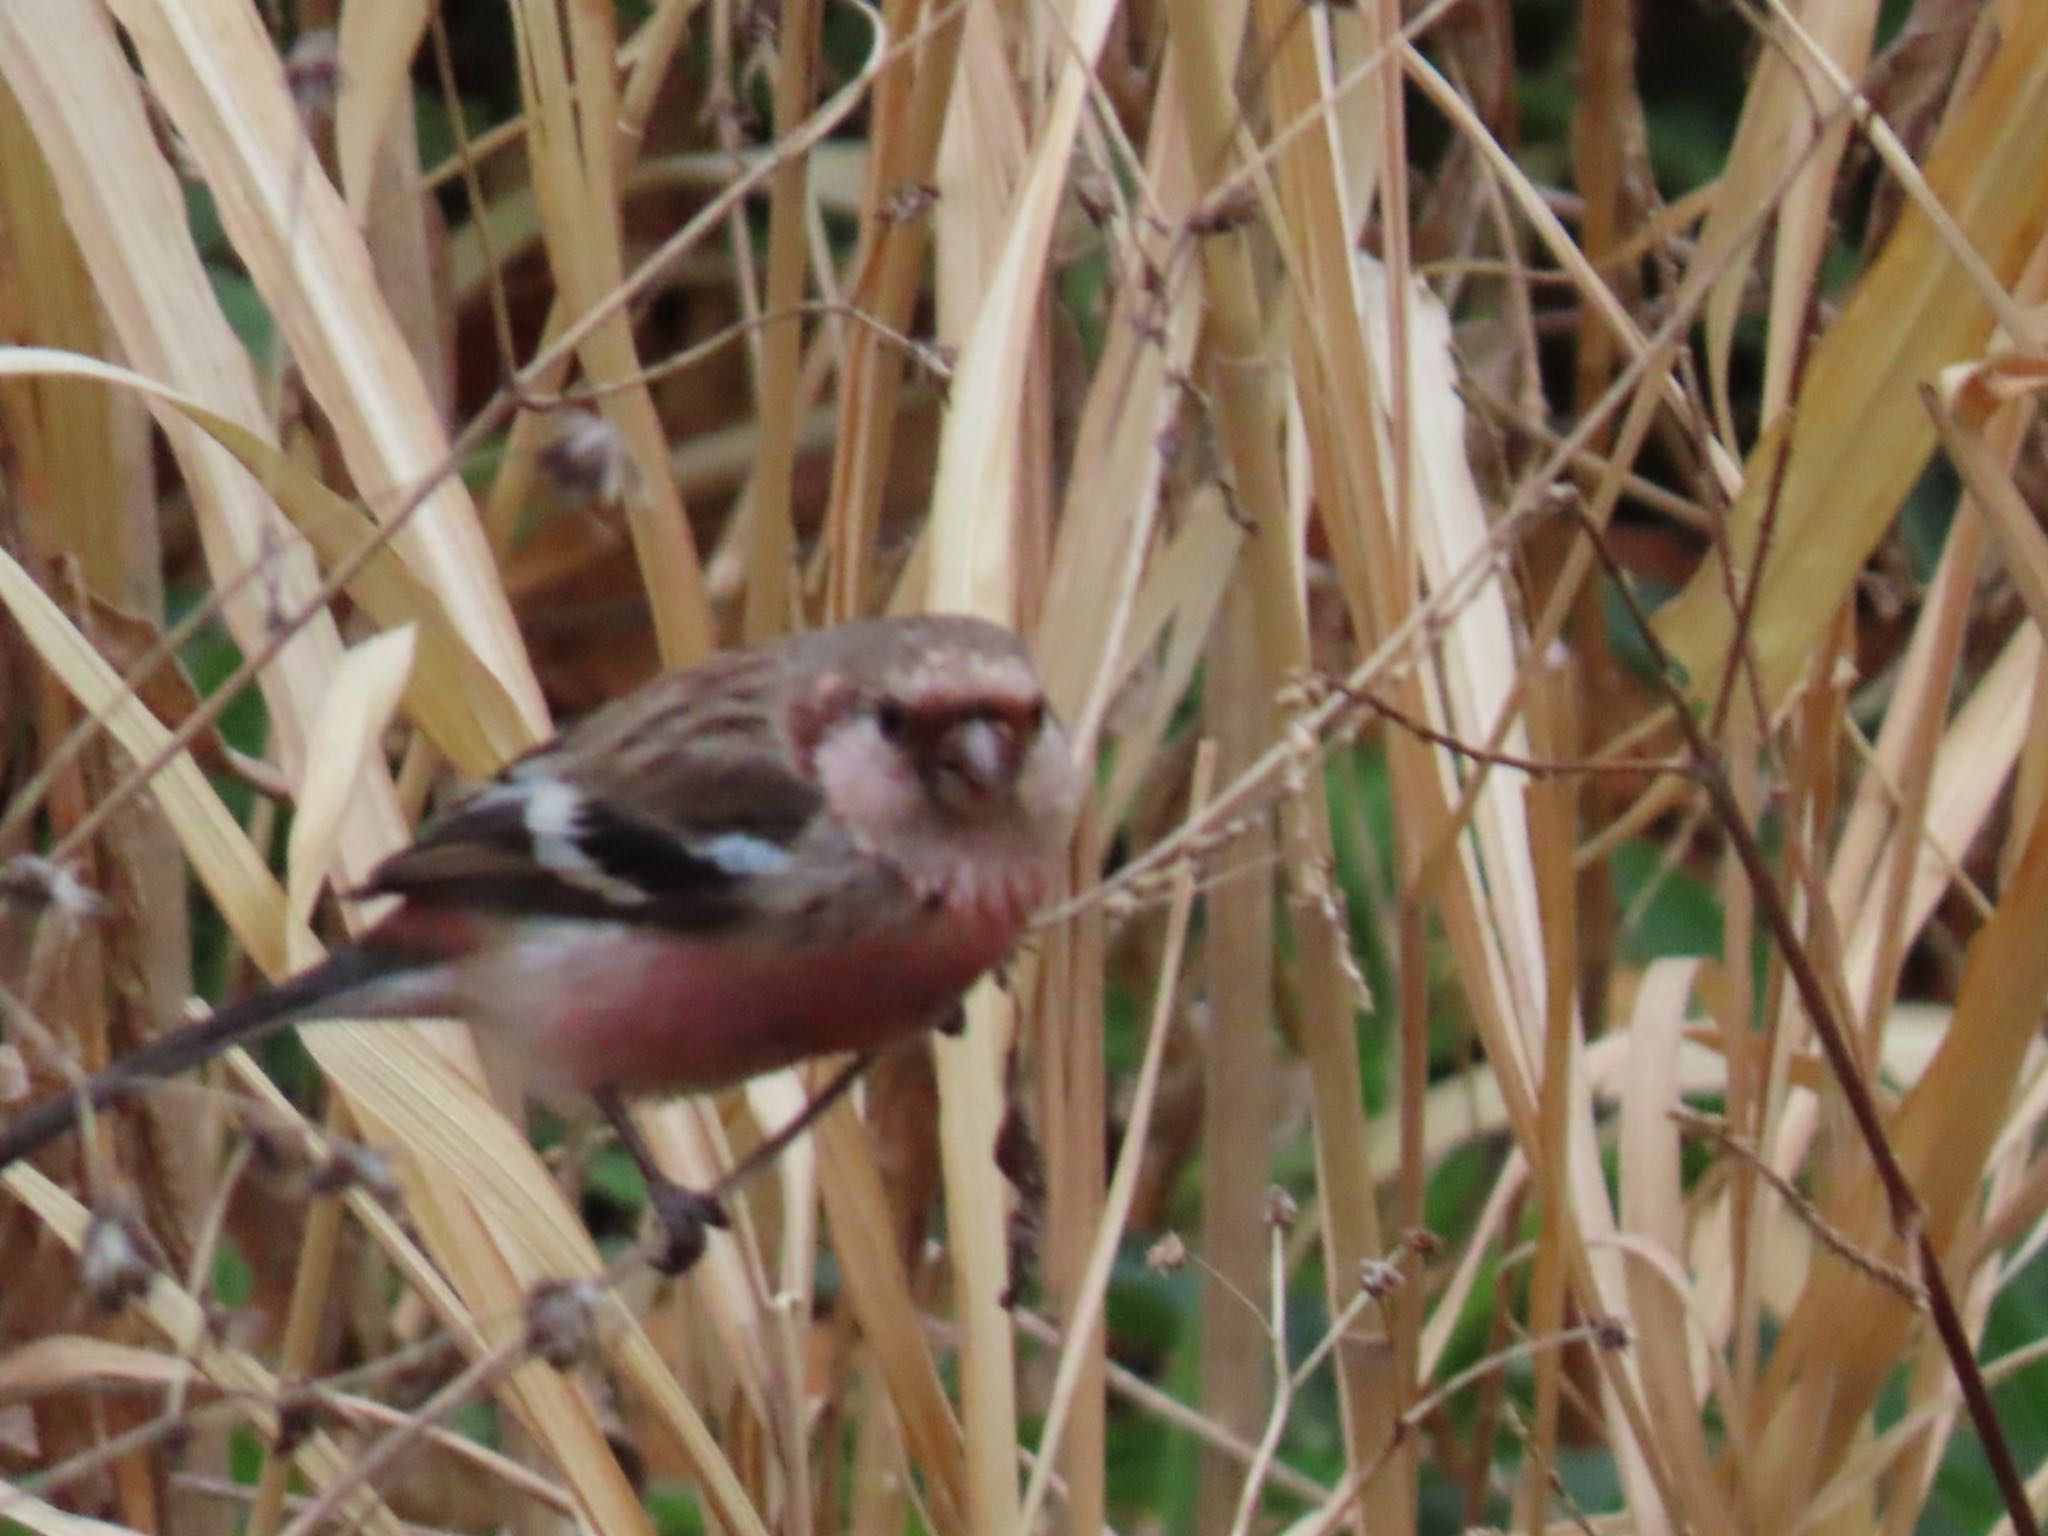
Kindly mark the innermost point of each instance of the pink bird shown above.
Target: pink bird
(811, 846)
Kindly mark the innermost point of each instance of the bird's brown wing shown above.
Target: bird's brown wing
(666, 806)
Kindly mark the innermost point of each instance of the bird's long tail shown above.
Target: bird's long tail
(323, 989)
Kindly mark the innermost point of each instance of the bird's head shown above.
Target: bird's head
(936, 751)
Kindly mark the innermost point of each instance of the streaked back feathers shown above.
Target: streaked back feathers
(921, 743)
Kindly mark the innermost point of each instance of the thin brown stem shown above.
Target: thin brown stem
(1535, 767)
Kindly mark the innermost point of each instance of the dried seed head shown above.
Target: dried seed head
(113, 1262)
(298, 1416)
(32, 880)
(631, 1460)
(1380, 1278)
(1301, 693)
(351, 1165)
(1094, 191)
(1121, 905)
(1166, 1255)
(938, 360)
(1281, 1211)
(1229, 209)
(757, 26)
(177, 1441)
(586, 457)
(561, 1321)
(175, 150)
(312, 72)
(277, 1151)
(907, 202)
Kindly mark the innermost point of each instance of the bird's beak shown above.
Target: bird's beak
(986, 756)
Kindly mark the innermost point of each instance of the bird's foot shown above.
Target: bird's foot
(685, 1216)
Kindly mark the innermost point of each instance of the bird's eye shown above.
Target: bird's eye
(891, 720)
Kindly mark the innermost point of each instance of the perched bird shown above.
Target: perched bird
(810, 846)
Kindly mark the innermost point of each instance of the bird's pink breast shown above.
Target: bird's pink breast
(604, 1005)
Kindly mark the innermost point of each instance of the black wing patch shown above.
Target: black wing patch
(539, 848)
(651, 862)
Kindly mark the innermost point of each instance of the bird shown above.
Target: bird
(809, 846)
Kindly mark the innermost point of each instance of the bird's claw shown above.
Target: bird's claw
(685, 1215)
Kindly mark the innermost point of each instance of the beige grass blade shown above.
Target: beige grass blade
(1839, 1344)
(347, 738)
(1557, 241)
(1480, 674)
(215, 843)
(1672, 1365)
(972, 501)
(571, 123)
(215, 73)
(972, 534)
(1781, 124)
(1501, 1200)
(1085, 1312)
(1844, 31)
(1105, 529)
(45, 1364)
(1971, 767)
(772, 563)
(249, 897)
(63, 436)
(460, 704)
(376, 44)
(496, 1221)
(970, 1108)
(1332, 374)
(1468, 1107)
(1884, 833)
(182, 1321)
(1184, 586)
(1892, 800)
(52, 1363)
(985, 154)
(1976, 757)
(910, 104)
(1960, 409)
(1860, 437)
(879, 1291)
(48, 1520)
(127, 214)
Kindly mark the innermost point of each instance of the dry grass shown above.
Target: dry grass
(1326, 470)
